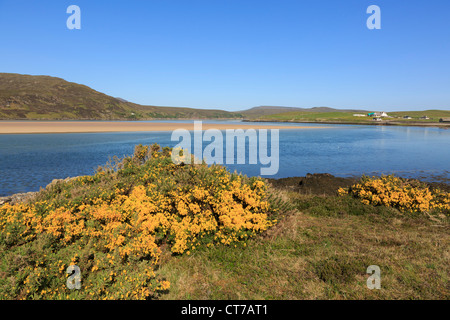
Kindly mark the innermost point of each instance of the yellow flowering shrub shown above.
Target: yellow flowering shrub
(405, 195)
(114, 224)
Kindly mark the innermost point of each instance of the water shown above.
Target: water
(31, 161)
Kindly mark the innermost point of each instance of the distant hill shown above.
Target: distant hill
(50, 98)
(266, 110)
(426, 117)
(262, 111)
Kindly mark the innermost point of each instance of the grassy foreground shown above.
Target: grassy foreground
(322, 252)
(144, 228)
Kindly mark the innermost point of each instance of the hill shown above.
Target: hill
(28, 97)
(342, 116)
(49, 98)
(262, 111)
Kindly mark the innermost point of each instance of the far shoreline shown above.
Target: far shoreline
(368, 123)
(49, 127)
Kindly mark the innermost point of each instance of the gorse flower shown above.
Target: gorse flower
(406, 196)
(117, 221)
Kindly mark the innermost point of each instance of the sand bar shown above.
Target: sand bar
(21, 127)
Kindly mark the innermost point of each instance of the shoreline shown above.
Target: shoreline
(444, 125)
(45, 127)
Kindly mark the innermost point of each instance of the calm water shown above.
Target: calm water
(31, 161)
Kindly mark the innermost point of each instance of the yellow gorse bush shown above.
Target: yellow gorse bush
(405, 195)
(121, 219)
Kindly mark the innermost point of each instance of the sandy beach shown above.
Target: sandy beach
(22, 127)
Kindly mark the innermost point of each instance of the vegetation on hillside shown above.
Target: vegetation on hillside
(404, 195)
(348, 117)
(259, 112)
(322, 251)
(26, 97)
(314, 116)
(433, 115)
(116, 224)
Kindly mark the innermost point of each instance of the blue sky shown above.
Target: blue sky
(237, 54)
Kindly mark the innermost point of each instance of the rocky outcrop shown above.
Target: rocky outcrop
(17, 198)
(28, 196)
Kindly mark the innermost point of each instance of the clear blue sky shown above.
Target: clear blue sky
(237, 54)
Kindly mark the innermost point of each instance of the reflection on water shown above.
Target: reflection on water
(28, 162)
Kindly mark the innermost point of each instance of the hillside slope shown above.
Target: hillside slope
(262, 111)
(50, 98)
(341, 116)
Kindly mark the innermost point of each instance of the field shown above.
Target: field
(322, 253)
(348, 117)
(316, 117)
(321, 250)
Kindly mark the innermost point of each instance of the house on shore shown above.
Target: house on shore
(444, 120)
(377, 114)
(407, 117)
(424, 118)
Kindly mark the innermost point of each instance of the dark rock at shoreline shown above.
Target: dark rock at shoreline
(317, 183)
(28, 196)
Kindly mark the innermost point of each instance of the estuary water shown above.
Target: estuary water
(31, 161)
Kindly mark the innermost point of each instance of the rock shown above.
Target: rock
(56, 181)
(17, 198)
(25, 197)
(316, 184)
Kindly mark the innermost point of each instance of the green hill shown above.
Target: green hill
(49, 98)
(28, 97)
(258, 112)
(315, 116)
(341, 116)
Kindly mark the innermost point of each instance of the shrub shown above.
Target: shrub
(402, 194)
(114, 224)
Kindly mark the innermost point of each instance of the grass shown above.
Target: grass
(322, 251)
(316, 116)
(434, 115)
(347, 117)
